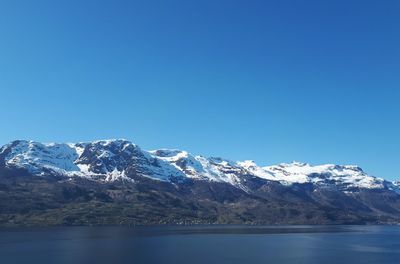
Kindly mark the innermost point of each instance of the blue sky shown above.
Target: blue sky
(272, 81)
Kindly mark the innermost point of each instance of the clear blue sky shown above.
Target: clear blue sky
(273, 81)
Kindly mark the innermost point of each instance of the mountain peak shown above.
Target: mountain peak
(111, 141)
(247, 163)
(169, 153)
(295, 163)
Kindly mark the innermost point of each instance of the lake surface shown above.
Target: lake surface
(203, 244)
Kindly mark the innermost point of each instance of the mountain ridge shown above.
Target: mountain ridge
(117, 182)
(76, 159)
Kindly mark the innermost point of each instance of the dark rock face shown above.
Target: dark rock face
(104, 158)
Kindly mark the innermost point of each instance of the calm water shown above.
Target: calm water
(191, 245)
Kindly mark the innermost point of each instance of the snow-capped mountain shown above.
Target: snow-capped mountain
(201, 168)
(347, 176)
(110, 160)
(106, 160)
(116, 182)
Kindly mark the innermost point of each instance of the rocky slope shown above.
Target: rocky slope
(116, 182)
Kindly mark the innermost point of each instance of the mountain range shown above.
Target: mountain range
(115, 182)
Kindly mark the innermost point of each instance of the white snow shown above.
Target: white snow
(35, 156)
(297, 172)
(199, 167)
